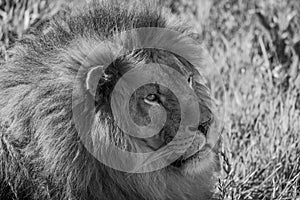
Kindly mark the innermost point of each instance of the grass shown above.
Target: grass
(256, 47)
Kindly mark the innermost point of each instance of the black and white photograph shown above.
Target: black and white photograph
(149, 100)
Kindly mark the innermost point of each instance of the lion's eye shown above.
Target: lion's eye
(152, 97)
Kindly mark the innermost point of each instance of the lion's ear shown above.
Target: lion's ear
(93, 77)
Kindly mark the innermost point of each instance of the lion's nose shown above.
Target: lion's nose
(204, 126)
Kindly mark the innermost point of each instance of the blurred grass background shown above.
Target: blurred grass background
(256, 46)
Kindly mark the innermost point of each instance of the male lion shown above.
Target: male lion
(44, 154)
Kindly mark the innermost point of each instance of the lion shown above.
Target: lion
(53, 79)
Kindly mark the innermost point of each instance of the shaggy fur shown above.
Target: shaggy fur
(41, 155)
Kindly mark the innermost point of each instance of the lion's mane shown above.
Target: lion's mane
(41, 154)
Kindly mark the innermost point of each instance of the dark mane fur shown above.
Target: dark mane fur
(41, 155)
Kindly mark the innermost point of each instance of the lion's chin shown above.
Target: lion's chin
(202, 161)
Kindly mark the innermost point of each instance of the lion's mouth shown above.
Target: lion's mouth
(198, 155)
